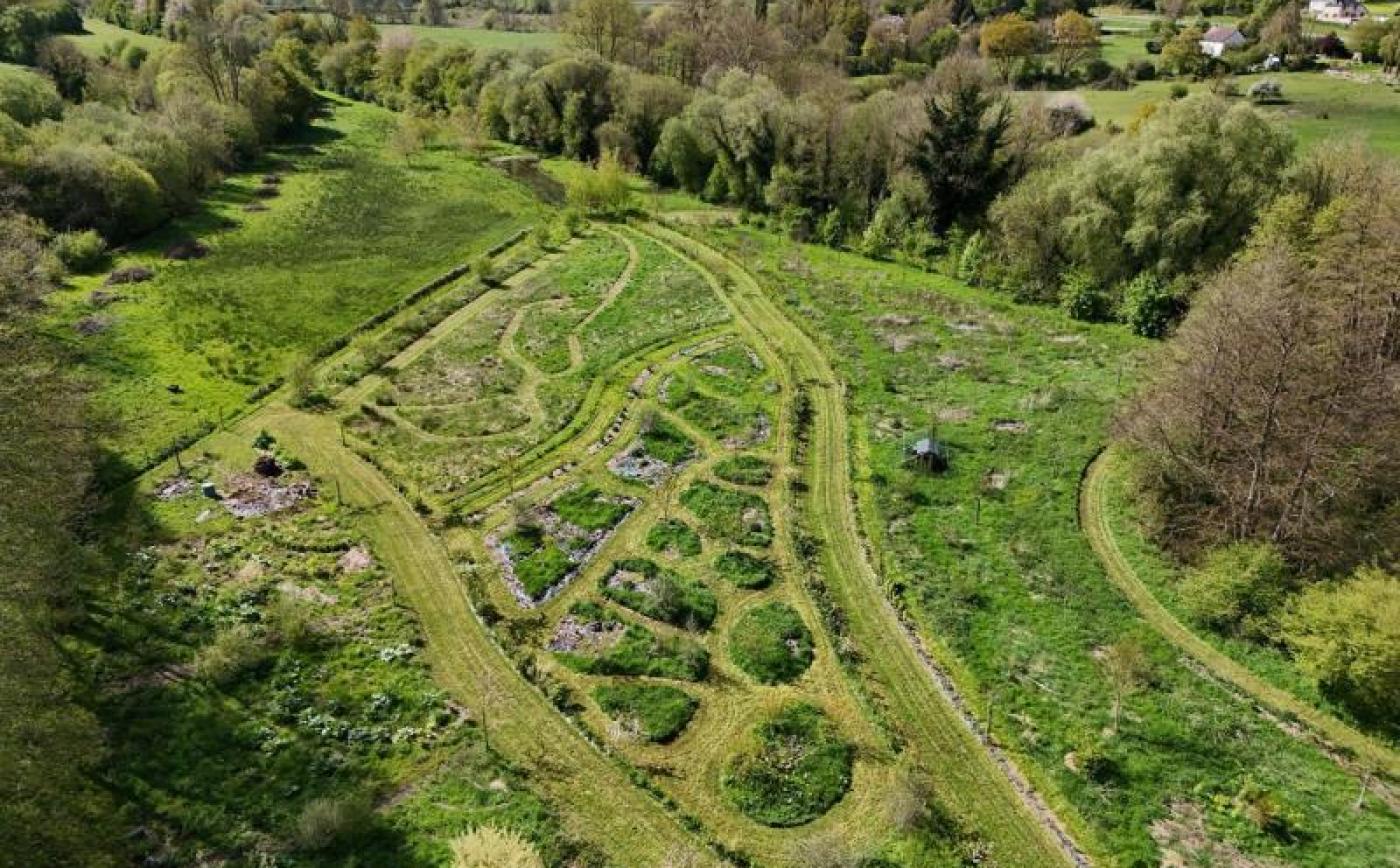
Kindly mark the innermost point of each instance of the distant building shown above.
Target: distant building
(1346, 12)
(1219, 40)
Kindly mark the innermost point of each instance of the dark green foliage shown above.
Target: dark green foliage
(589, 508)
(738, 516)
(660, 711)
(1149, 306)
(644, 587)
(745, 570)
(538, 561)
(771, 643)
(744, 470)
(796, 769)
(674, 535)
(638, 651)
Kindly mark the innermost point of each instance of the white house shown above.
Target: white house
(1346, 12)
(1219, 40)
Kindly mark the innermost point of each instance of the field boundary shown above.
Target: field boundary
(1333, 734)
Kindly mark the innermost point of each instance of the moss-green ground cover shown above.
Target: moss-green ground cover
(726, 513)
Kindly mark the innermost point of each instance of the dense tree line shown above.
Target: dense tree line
(1267, 439)
(120, 146)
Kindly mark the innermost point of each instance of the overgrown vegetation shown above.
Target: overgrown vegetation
(727, 513)
(658, 712)
(795, 768)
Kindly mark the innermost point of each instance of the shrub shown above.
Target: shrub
(603, 191)
(489, 847)
(93, 187)
(80, 252)
(1149, 306)
(1238, 588)
(1347, 636)
(29, 98)
(1082, 297)
(771, 644)
(332, 823)
(1178, 90)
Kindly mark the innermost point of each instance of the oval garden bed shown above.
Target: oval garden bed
(795, 768)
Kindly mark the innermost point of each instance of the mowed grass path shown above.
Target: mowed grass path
(1098, 528)
(352, 230)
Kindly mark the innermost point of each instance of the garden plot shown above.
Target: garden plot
(654, 712)
(661, 594)
(665, 297)
(740, 417)
(771, 644)
(795, 767)
(660, 449)
(740, 517)
(547, 546)
(595, 640)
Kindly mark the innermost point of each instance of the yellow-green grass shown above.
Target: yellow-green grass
(476, 37)
(1128, 560)
(351, 230)
(1319, 107)
(98, 34)
(989, 561)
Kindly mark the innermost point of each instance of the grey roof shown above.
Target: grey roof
(1220, 33)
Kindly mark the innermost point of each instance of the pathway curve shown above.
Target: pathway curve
(980, 782)
(1093, 517)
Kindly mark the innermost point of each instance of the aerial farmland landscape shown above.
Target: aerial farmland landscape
(679, 433)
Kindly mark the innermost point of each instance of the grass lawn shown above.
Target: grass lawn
(1319, 107)
(476, 37)
(98, 33)
(352, 230)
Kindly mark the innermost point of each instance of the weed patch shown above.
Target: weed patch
(633, 650)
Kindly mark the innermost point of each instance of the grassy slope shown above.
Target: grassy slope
(353, 230)
(1006, 580)
(1102, 503)
(478, 38)
(98, 33)
(1319, 107)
